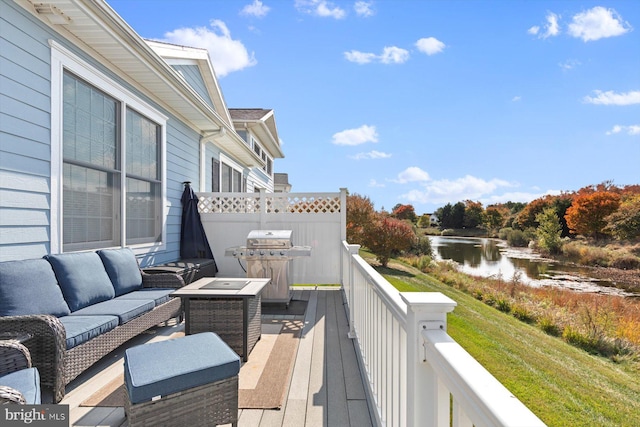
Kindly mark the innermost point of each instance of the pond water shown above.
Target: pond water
(493, 258)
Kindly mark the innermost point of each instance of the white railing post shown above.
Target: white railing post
(425, 310)
(353, 250)
(343, 214)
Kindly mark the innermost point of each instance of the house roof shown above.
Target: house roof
(97, 29)
(262, 123)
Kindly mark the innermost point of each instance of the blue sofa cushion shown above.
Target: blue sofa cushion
(122, 268)
(165, 367)
(27, 382)
(80, 329)
(30, 287)
(158, 295)
(82, 277)
(124, 309)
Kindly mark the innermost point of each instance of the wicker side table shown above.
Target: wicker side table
(229, 307)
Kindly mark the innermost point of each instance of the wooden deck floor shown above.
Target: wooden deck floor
(326, 387)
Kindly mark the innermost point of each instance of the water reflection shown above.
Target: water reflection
(491, 258)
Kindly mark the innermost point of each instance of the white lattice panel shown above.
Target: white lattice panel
(274, 203)
(309, 204)
(229, 204)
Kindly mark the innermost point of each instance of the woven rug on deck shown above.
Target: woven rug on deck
(264, 378)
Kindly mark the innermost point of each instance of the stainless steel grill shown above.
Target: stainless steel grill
(268, 253)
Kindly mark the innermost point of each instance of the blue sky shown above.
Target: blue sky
(427, 102)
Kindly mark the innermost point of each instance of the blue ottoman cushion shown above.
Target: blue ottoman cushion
(27, 382)
(165, 367)
(158, 295)
(30, 287)
(124, 309)
(80, 329)
(122, 268)
(82, 277)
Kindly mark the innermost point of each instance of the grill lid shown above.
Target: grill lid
(278, 239)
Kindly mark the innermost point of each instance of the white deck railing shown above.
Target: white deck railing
(418, 375)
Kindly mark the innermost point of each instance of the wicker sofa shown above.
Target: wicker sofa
(78, 307)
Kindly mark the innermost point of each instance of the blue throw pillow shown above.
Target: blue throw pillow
(82, 278)
(30, 287)
(123, 270)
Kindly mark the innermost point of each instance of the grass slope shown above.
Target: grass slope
(561, 384)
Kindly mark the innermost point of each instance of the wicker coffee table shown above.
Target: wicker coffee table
(230, 307)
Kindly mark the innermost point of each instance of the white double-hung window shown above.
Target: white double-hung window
(108, 151)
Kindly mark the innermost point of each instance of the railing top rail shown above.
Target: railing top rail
(484, 399)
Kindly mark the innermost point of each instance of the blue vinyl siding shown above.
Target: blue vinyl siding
(192, 75)
(24, 131)
(25, 141)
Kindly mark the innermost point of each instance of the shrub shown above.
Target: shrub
(548, 326)
(517, 238)
(422, 263)
(626, 262)
(503, 304)
(521, 312)
(448, 232)
(574, 337)
(504, 232)
(421, 247)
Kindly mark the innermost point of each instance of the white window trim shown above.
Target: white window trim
(61, 59)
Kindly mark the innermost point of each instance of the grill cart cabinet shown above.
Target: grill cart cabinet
(268, 253)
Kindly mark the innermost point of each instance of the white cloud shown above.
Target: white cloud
(227, 55)
(371, 155)
(516, 98)
(394, 55)
(389, 55)
(257, 9)
(612, 98)
(374, 183)
(569, 64)
(320, 8)
(430, 45)
(447, 191)
(360, 57)
(551, 28)
(363, 8)
(361, 135)
(411, 174)
(516, 196)
(598, 23)
(630, 130)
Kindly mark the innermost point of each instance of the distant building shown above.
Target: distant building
(281, 183)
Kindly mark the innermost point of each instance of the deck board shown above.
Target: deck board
(325, 390)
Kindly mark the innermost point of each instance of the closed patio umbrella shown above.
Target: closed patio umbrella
(193, 240)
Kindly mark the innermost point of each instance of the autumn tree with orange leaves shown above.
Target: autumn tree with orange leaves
(360, 214)
(588, 212)
(388, 237)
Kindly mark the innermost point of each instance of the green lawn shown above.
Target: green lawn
(561, 384)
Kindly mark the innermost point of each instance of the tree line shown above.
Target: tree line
(602, 211)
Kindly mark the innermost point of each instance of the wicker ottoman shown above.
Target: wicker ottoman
(187, 381)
